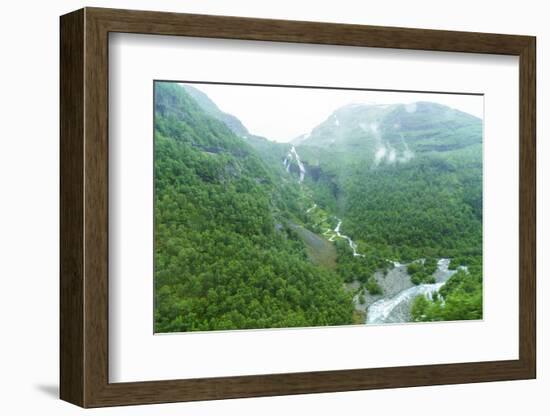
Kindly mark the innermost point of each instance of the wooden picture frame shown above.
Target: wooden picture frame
(84, 207)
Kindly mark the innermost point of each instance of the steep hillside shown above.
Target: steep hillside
(210, 108)
(407, 179)
(225, 256)
(250, 233)
(392, 133)
(271, 152)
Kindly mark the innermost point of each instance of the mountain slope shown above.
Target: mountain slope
(397, 128)
(406, 179)
(241, 228)
(271, 152)
(224, 256)
(408, 176)
(210, 108)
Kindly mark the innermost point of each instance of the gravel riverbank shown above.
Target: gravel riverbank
(395, 281)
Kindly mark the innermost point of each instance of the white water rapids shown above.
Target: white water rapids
(397, 308)
(311, 209)
(351, 243)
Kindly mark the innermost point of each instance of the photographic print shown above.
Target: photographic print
(290, 206)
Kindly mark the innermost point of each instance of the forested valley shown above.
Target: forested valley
(376, 201)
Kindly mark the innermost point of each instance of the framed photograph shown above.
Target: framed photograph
(255, 207)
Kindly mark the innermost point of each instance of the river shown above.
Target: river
(396, 309)
(351, 243)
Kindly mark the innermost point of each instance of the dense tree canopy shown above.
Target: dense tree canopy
(222, 258)
(237, 237)
(460, 298)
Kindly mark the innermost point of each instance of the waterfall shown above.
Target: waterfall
(336, 233)
(293, 156)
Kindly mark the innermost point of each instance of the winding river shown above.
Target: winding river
(395, 308)
(351, 243)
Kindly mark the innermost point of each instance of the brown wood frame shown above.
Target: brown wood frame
(84, 208)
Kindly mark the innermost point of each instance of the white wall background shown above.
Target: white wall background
(29, 206)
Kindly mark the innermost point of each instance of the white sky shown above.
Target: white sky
(281, 113)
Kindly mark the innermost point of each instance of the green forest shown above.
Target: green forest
(241, 241)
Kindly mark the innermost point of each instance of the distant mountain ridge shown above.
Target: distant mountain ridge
(210, 107)
(394, 132)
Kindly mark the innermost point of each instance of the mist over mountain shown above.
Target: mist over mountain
(395, 132)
